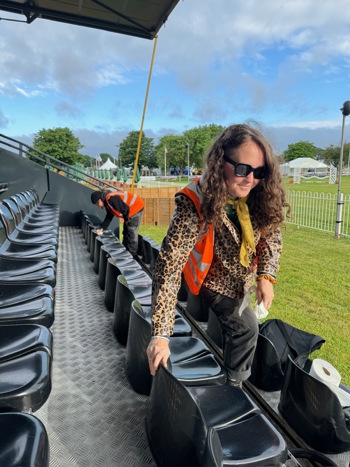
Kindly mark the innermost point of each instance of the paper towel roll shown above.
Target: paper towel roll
(326, 373)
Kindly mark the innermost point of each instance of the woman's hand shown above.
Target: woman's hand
(265, 293)
(157, 352)
(99, 231)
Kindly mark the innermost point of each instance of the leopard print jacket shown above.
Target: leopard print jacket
(226, 275)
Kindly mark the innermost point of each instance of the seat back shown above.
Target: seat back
(266, 371)
(173, 422)
(155, 248)
(147, 251)
(136, 362)
(24, 440)
(28, 199)
(14, 209)
(24, 208)
(7, 220)
(313, 410)
(122, 306)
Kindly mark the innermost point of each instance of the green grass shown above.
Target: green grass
(312, 292)
(318, 186)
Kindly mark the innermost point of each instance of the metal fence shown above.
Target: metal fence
(318, 211)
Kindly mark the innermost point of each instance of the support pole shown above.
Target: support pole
(143, 114)
(339, 215)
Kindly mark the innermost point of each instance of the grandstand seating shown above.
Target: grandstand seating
(191, 360)
(29, 240)
(208, 426)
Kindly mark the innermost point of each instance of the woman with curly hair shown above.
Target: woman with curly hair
(225, 233)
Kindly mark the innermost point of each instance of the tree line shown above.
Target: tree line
(170, 151)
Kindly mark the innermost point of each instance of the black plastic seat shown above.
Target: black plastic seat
(24, 441)
(10, 250)
(250, 442)
(183, 424)
(25, 383)
(33, 198)
(125, 294)
(27, 228)
(37, 211)
(20, 238)
(155, 248)
(313, 410)
(21, 339)
(108, 251)
(27, 304)
(107, 238)
(191, 360)
(27, 272)
(133, 273)
(147, 251)
(47, 223)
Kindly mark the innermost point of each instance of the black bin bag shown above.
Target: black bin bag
(276, 341)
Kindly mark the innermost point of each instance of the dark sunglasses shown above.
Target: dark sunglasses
(243, 170)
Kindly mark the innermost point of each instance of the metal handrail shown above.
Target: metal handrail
(25, 150)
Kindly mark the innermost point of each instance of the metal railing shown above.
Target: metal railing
(24, 150)
(318, 211)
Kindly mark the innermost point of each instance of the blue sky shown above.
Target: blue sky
(283, 64)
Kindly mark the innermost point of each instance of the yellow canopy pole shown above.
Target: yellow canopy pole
(143, 115)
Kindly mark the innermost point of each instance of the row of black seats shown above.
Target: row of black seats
(308, 405)
(28, 257)
(194, 418)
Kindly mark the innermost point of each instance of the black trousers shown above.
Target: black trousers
(239, 333)
(131, 232)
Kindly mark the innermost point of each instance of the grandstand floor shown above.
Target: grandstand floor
(93, 417)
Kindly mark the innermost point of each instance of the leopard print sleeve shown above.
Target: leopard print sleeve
(268, 251)
(176, 247)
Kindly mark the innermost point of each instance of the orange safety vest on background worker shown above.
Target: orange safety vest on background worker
(201, 257)
(135, 203)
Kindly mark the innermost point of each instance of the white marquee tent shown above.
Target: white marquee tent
(303, 164)
(108, 165)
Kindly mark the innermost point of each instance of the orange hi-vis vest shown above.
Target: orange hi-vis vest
(134, 202)
(201, 257)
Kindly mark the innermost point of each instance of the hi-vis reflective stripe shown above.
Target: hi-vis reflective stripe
(201, 256)
(135, 203)
(132, 200)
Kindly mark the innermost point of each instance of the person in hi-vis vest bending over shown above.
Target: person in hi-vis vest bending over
(224, 234)
(125, 205)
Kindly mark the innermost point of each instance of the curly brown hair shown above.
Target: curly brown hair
(267, 201)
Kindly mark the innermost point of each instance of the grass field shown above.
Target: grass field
(318, 186)
(312, 292)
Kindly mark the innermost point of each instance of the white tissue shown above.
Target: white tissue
(260, 311)
(326, 373)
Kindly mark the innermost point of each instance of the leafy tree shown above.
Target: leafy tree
(331, 155)
(59, 143)
(200, 139)
(128, 150)
(171, 150)
(301, 149)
